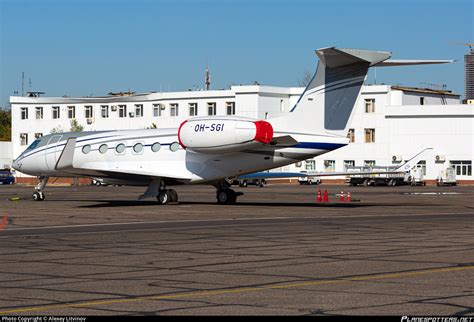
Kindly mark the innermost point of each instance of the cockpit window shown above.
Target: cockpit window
(33, 145)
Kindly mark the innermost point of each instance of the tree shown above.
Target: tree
(75, 126)
(307, 77)
(5, 125)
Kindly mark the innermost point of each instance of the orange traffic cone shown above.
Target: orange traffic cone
(348, 197)
(320, 198)
(326, 197)
(342, 196)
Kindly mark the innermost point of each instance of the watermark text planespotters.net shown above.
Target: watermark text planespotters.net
(437, 319)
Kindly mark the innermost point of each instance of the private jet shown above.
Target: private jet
(211, 150)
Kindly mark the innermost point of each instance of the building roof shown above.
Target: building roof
(425, 91)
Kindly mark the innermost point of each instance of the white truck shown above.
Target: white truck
(446, 178)
(308, 179)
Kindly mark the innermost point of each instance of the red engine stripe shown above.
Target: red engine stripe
(179, 137)
(264, 132)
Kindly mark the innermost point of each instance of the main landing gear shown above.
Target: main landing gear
(38, 195)
(167, 195)
(225, 195)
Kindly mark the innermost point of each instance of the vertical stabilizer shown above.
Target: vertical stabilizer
(328, 101)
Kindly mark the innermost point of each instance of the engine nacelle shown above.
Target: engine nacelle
(223, 135)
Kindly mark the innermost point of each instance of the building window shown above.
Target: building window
(88, 112)
(369, 105)
(139, 110)
(39, 113)
(56, 112)
(193, 109)
(122, 110)
(329, 165)
(157, 108)
(38, 135)
(310, 165)
(211, 109)
(23, 138)
(24, 113)
(348, 164)
(369, 163)
(230, 106)
(369, 135)
(462, 168)
(422, 101)
(104, 111)
(174, 109)
(71, 112)
(351, 135)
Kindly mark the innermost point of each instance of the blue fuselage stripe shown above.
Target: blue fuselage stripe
(319, 145)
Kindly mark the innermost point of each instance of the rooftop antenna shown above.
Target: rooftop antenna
(208, 78)
(22, 83)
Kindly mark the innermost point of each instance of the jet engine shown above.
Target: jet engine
(223, 135)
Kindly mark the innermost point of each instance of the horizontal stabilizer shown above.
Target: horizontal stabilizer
(407, 62)
(333, 57)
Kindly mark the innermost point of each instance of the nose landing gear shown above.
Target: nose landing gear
(38, 195)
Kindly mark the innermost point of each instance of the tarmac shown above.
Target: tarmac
(91, 250)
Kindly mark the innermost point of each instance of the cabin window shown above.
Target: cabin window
(103, 148)
(137, 148)
(174, 146)
(86, 149)
(156, 147)
(120, 148)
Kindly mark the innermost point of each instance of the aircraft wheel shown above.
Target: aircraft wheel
(227, 196)
(38, 196)
(164, 197)
(173, 194)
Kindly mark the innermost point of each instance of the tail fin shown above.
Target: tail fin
(327, 103)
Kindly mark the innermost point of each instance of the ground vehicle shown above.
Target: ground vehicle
(308, 179)
(378, 179)
(446, 178)
(246, 182)
(6, 177)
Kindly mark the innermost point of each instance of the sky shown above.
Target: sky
(84, 48)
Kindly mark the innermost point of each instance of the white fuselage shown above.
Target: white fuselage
(140, 155)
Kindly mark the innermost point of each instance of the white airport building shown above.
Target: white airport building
(390, 125)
